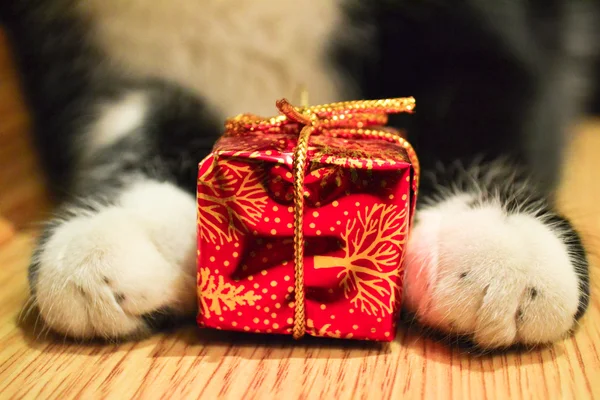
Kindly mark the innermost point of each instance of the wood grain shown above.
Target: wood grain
(189, 363)
(7, 231)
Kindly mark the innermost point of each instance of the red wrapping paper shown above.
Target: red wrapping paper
(360, 195)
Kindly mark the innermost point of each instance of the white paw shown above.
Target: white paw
(502, 279)
(99, 274)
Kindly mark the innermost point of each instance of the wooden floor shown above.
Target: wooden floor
(189, 363)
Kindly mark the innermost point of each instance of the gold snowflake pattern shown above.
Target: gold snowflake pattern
(229, 195)
(371, 260)
(216, 294)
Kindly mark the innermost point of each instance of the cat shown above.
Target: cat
(128, 97)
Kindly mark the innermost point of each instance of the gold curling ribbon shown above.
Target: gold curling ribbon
(351, 118)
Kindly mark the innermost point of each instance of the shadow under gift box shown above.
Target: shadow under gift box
(359, 197)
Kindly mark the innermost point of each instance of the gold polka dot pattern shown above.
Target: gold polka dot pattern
(356, 193)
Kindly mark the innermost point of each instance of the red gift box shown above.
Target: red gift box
(302, 222)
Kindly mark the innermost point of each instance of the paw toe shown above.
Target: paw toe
(98, 276)
(501, 279)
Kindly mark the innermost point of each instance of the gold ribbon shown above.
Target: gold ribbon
(352, 118)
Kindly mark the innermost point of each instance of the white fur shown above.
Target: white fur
(143, 248)
(242, 55)
(116, 120)
(504, 257)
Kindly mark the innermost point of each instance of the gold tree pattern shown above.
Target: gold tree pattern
(371, 260)
(325, 332)
(358, 153)
(326, 174)
(216, 295)
(253, 144)
(229, 195)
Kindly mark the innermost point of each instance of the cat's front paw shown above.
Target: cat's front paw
(499, 278)
(108, 273)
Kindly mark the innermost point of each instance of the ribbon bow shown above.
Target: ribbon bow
(363, 119)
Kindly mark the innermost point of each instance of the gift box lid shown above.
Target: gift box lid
(347, 134)
(351, 152)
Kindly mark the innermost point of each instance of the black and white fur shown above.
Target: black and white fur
(128, 96)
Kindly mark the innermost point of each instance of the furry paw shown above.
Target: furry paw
(472, 268)
(107, 273)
